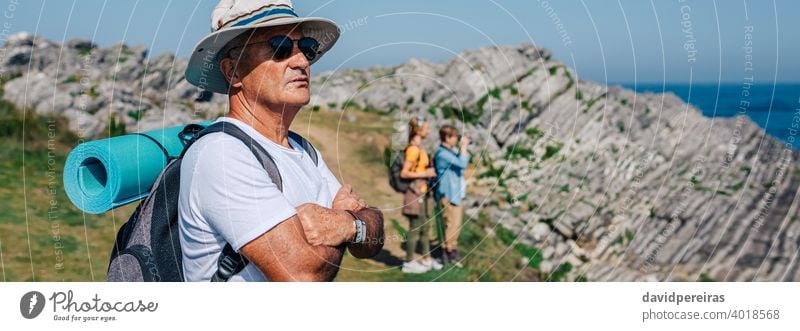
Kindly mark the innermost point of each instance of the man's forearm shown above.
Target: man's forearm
(373, 241)
(322, 266)
(283, 254)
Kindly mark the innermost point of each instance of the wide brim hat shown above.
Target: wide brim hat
(234, 17)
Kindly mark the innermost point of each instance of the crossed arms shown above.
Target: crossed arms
(309, 246)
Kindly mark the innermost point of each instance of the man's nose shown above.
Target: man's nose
(298, 60)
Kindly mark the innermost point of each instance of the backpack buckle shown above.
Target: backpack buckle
(226, 266)
(229, 263)
(189, 132)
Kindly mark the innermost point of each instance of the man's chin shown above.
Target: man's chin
(298, 98)
(296, 102)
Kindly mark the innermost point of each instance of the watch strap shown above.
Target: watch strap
(361, 228)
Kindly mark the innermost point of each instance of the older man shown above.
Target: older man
(260, 55)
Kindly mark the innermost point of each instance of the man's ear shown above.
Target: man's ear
(228, 68)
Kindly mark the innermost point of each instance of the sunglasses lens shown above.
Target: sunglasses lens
(309, 46)
(281, 47)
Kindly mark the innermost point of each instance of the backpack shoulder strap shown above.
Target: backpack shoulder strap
(307, 146)
(263, 157)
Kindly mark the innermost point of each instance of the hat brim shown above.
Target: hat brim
(203, 68)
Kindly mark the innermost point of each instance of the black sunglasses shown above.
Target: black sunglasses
(282, 47)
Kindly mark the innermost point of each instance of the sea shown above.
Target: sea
(771, 106)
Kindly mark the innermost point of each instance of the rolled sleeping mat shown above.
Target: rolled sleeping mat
(103, 174)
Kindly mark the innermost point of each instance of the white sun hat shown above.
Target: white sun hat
(233, 17)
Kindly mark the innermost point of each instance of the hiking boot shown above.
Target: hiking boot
(454, 258)
(432, 264)
(414, 267)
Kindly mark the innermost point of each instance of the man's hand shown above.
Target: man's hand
(326, 227)
(347, 199)
(464, 144)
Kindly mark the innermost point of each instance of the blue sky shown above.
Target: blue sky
(605, 41)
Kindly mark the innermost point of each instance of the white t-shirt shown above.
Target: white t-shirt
(226, 196)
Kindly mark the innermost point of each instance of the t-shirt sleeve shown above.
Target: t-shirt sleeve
(236, 196)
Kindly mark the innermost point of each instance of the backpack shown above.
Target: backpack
(148, 248)
(399, 184)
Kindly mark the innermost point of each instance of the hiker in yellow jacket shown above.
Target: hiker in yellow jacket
(417, 168)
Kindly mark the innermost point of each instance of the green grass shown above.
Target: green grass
(560, 273)
(491, 172)
(534, 133)
(485, 258)
(116, 127)
(93, 93)
(465, 115)
(495, 93)
(737, 186)
(481, 102)
(704, 277)
(71, 79)
(518, 152)
(532, 253)
(449, 274)
(447, 112)
(571, 81)
(65, 243)
(526, 105)
(550, 151)
(136, 115)
(432, 111)
(590, 104)
(350, 104)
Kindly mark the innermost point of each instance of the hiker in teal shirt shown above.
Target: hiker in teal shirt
(450, 192)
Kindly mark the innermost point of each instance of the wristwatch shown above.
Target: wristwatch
(361, 228)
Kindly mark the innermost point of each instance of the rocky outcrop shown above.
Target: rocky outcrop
(605, 183)
(90, 85)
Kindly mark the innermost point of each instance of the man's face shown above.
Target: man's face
(267, 80)
(452, 139)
